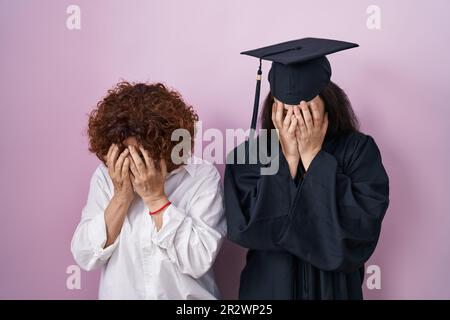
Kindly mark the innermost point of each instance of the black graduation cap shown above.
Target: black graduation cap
(300, 69)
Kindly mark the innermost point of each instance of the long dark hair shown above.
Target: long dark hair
(341, 117)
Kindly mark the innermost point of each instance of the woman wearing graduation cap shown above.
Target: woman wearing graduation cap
(312, 225)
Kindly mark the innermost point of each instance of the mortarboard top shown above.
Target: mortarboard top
(300, 69)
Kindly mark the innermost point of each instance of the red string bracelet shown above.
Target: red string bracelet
(160, 209)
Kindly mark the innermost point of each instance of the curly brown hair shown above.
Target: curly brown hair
(148, 112)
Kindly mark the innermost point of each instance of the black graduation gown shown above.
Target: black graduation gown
(309, 237)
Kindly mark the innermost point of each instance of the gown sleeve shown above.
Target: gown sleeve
(336, 218)
(331, 220)
(256, 206)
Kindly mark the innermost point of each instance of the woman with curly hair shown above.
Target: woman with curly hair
(153, 225)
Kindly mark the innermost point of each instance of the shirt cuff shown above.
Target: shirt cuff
(97, 238)
(172, 219)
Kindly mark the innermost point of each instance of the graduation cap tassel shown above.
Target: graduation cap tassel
(256, 104)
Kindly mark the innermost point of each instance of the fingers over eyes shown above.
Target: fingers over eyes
(113, 157)
(126, 167)
(139, 164)
(279, 115)
(300, 119)
(109, 151)
(325, 123)
(317, 115)
(119, 162)
(292, 125)
(150, 163)
(133, 168)
(306, 114)
(287, 118)
(274, 109)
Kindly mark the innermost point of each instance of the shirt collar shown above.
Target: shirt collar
(189, 167)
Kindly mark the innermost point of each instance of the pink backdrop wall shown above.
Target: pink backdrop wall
(50, 77)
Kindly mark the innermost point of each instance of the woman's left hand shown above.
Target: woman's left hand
(311, 130)
(147, 179)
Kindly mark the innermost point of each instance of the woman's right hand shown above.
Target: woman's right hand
(118, 169)
(286, 133)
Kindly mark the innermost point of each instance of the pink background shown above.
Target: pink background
(51, 77)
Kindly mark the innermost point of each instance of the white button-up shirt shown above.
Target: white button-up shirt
(143, 263)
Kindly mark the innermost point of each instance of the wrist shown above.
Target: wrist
(291, 159)
(311, 153)
(308, 157)
(123, 198)
(293, 165)
(155, 202)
